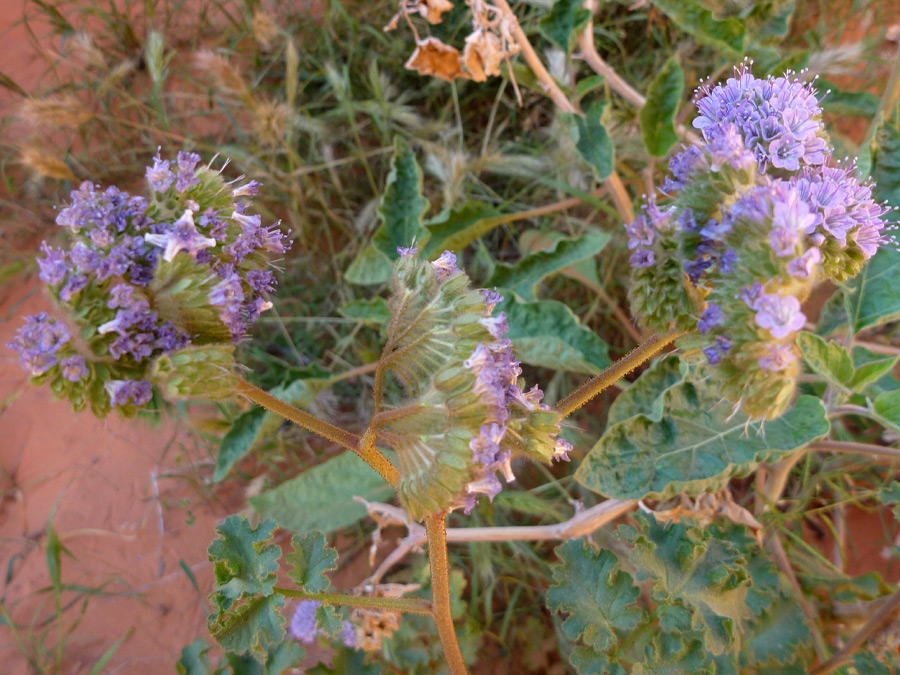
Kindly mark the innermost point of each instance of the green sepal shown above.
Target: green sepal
(204, 371)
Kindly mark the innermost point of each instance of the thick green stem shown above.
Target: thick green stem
(407, 605)
(436, 529)
(615, 372)
(364, 447)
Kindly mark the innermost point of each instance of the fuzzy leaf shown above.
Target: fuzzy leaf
(546, 333)
(321, 498)
(873, 296)
(695, 569)
(658, 114)
(456, 229)
(696, 446)
(886, 407)
(309, 560)
(524, 276)
(675, 654)
(769, 22)
(726, 36)
(890, 496)
(872, 371)
(374, 310)
(251, 627)
(566, 19)
(238, 440)
(827, 358)
(592, 140)
(194, 659)
(370, 267)
(281, 657)
(402, 204)
(599, 598)
(245, 564)
(644, 395)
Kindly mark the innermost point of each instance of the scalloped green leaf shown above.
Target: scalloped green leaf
(402, 205)
(696, 446)
(873, 297)
(321, 498)
(726, 36)
(547, 333)
(310, 560)
(369, 267)
(644, 395)
(890, 496)
(691, 567)
(566, 19)
(244, 562)
(599, 598)
(591, 139)
(658, 114)
(251, 627)
(675, 654)
(524, 276)
(194, 659)
(827, 358)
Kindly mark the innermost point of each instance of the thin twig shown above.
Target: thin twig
(845, 655)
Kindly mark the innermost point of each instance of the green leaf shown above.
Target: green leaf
(456, 229)
(726, 36)
(402, 204)
(692, 568)
(287, 654)
(244, 563)
(566, 19)
(347, 661)
(524, 276)
(853, 103)
(827, 358)
(887, 406)
(872, 371)
(675, 654)
(592, 140)
(644, 395)
(370, 267)
(251, 627)
(696, 446)
(770, 21)
(873, 296)
(321, 498)
(546, 333)
(328, 620)
(890, 496)
(194, 659)
(658, 114)
(374, 310)
(586, 85)
(309, 560)
(238, 441)
(599, 598)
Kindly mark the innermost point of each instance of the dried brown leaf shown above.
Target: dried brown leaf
(483, 55)
(436, 58)
(433, 10)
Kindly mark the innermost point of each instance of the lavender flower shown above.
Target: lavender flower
(74, 368)
(183, 236)
(159, 175)
(53, 266)
(491, 298)
(445, 266)
(640, 232)
(803, 266)
(125, 392)
(187, 161)
(717, 349)
(779, 357)
(642, 258)
(712, 316)
(303, 623)
(38, 341)
(791, 219)
(779, 314)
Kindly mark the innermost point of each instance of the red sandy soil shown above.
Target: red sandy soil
(120, 500)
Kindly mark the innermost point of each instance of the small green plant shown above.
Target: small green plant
(724, 447)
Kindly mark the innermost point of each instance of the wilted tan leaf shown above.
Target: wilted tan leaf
(483, 55)
(433, 10)
(433, 57)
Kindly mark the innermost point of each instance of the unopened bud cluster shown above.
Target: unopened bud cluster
(756, 216)
(467, 413)
(152, 291)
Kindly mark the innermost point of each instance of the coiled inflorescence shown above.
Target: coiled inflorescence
(756, 215)
(180, 273)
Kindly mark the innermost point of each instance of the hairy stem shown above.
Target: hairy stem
(436, 530)
(854, 449)
(646, 351)
(407, 605)
(364, 447)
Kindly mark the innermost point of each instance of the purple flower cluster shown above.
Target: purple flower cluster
(642, 233)
(303, 627)
(129, 276)
(38, 342)
(778, 117)
(497, 374)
